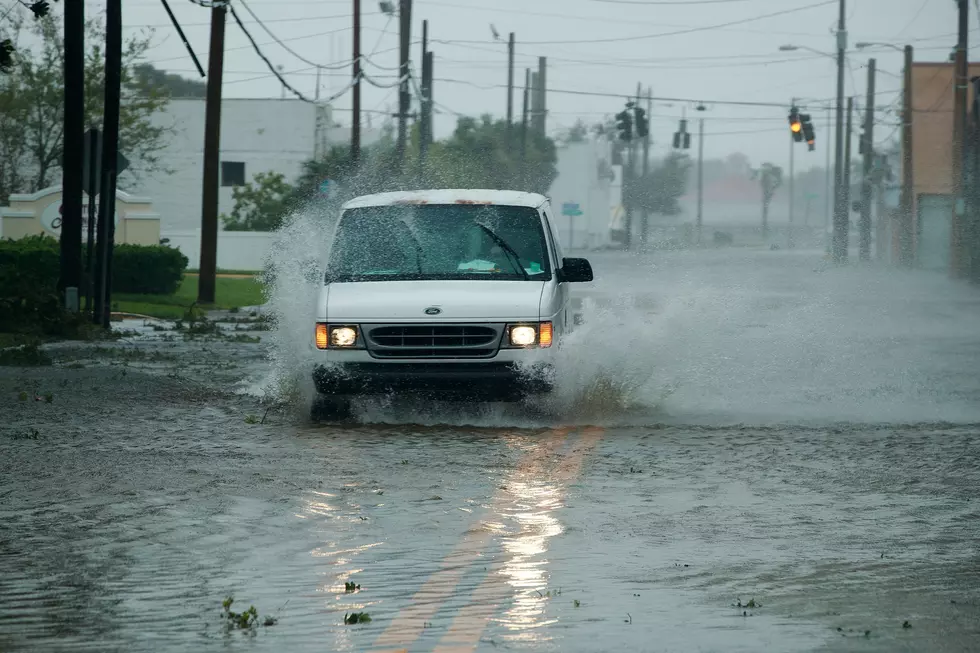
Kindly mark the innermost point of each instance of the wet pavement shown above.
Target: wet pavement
(749, 451)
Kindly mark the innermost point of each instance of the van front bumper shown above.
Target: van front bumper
(478, 381)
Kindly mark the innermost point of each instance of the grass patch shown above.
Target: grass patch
(229, 293)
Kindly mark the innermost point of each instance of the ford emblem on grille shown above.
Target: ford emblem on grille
(433, 310)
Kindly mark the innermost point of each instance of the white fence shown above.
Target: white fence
(237, 250)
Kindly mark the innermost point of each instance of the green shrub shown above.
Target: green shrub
(29, 271)
(147, 269)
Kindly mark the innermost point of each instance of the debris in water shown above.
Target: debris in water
(356, 618)
(351, 587)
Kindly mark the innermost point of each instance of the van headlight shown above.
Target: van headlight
(530, 335)
(334, 336)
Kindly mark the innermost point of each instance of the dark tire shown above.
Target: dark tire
(330, 409)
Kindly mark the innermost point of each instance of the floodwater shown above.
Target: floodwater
(749, 450)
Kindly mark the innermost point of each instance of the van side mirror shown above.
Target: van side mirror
(575, 270)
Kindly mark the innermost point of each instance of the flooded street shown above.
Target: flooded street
(748, 450)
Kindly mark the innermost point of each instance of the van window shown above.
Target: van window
(439, 241)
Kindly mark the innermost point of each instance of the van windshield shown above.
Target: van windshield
(439, 241)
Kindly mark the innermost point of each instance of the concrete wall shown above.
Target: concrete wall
(38, 213)
(267, 135)
(237, 250)
(578, 183)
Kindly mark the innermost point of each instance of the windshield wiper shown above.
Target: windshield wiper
(511, 254)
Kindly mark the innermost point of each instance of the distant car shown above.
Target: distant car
(448, 294)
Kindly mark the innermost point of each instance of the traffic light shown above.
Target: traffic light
(642, 126)
(795, 125)
(808, 132)
(682, 139)
(624, 125)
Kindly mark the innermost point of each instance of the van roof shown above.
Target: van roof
(450, 196)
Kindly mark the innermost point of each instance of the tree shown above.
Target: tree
(770, 178)
(149, 79)
(261, 204)
(662, 188)
(32, 106)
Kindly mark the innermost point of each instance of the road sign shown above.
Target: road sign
(325, 187)
(121, 161)
(571, 209)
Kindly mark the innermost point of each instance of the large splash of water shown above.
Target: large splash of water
(601, 370)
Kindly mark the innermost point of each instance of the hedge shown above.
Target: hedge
(30, 267)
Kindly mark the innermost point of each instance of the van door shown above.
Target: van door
(558, 302)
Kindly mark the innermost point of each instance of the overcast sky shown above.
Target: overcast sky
(710, 51)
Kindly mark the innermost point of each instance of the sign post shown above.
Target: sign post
(571, 209)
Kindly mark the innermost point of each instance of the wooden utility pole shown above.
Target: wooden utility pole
(645, 215)
(510, 81)
(73, 154)
(792, 197)
(906, 228)
(527, 94)
(110, 152)
(958, 257)
(212, 159)
(868, 152)
(700, 218)
(424, 107)
(541, 88)
(355, 125)
(404, 98)
(841, 210)
(845, 233)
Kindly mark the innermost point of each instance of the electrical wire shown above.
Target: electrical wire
(275, 72)
(288, 49)
(690, 30)
(656, 3)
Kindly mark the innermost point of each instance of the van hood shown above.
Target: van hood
(407, 301)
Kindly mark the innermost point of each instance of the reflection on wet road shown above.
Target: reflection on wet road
(146, 497)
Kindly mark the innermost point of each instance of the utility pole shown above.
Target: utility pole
(792, 173)
(355, 125)
(542, 87)
(527, 92)
(700, 218)
(840, 197)
(868, 143)
(828, 202)
(110, 155)
(958, 241)
(846, 190)
(404, 99)
(906, 230)
(73, 155)
(510, 81)
(425, 107)
(645, 215)
(212, 159)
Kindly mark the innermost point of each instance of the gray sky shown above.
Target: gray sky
(595, 46)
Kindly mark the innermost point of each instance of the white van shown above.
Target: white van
(450, 294)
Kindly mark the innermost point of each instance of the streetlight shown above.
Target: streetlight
(793, 48)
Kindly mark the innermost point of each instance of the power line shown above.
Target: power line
(655, 3)
(275, 72)
(690, 30)
(286, 47)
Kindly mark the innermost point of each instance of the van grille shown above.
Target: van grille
(433, 341)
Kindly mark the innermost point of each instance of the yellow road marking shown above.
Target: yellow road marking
(410, 622)
(467, 628)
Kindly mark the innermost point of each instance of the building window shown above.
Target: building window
(232, 173)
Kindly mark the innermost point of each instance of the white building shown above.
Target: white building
(257, 135)
(584, 179)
